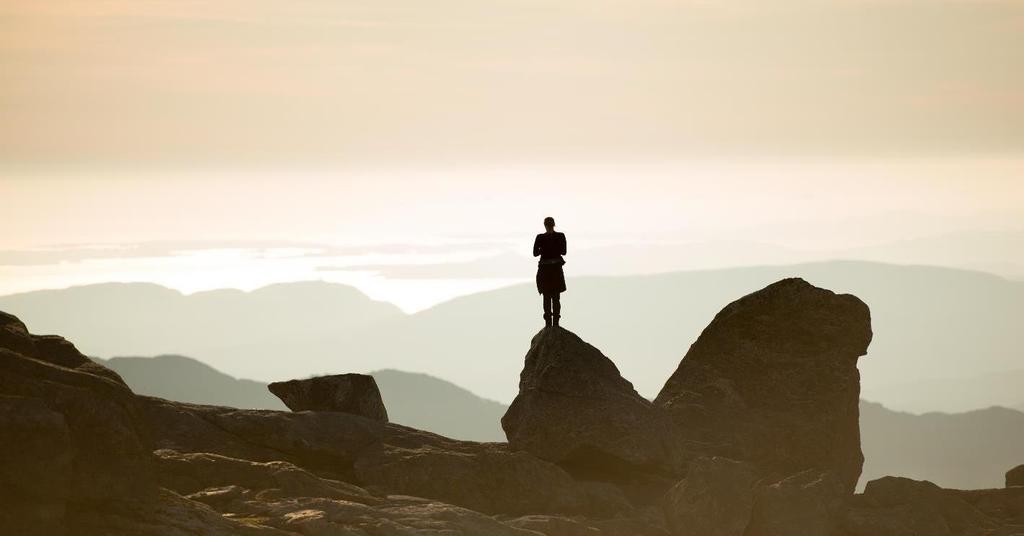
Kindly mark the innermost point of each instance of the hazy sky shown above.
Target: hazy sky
(840, 204)
(247, 82)
(807, 125)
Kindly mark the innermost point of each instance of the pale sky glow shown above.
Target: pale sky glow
(779, 211)
(691, 201)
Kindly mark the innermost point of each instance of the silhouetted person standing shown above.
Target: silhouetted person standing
(550, 246)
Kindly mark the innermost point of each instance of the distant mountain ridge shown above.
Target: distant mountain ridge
(428, 403)
(221, 327)
(929, 323)
(967, 450)
(964, 450)
(997, 252)
(412, 399)
(1004, 388)
(184, 379)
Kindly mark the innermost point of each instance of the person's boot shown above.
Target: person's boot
(547, 320)
(554, 320)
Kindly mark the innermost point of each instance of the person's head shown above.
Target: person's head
(549, 223)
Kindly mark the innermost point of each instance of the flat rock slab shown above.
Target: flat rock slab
(347, 393)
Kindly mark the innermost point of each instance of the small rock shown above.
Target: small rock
(1015, 476)
(347, 393)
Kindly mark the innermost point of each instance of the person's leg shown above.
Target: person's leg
(556, 307)
(547, 309)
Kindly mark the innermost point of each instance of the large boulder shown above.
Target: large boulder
(1015, 476)
(385, 457)
(715, 499)
(71, 438)
(348, 393)
(773, 380)
(575, 409)
(74, 457)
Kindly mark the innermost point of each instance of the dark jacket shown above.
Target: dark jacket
(549, 247)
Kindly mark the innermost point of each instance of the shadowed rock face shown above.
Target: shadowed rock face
(575, 409)
(715, 499)
(892, 506)
(35, 471)
(805, 504)
(70, 439)
(773, 380)
(348, 393)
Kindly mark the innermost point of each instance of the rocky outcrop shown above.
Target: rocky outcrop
(288, 497)
(73, 454)
(347, 393)
(51, 389)
(773, 380)
(769, 383)
(1015, 476)
(385, 457)
(82, 451)
(575, 409)
(14, 337)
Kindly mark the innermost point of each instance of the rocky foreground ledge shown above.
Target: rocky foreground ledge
(756, 433)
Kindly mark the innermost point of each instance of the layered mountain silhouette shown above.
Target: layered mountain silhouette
(1003, 388)
(428, 403)
(996, 252)
(184, 379)
(966, 450)
(930, 323)
(412, 399)
(233, 330)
